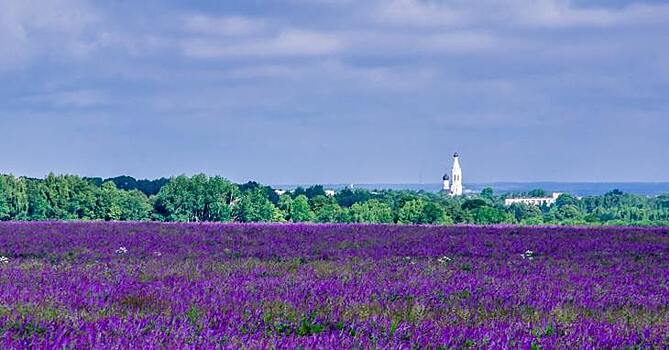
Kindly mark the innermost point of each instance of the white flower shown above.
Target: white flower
(122, 250)
(157, 254)
(529, 255)
(4, 260)
(444, 260)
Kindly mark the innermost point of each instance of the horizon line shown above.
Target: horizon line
(310, 183)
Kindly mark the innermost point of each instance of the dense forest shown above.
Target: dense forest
(203, 198)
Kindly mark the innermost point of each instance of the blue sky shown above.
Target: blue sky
(307, 91)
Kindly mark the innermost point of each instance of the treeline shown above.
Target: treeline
(203, 198)
(148, 187)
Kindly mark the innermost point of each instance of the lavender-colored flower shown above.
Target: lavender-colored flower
(307, 286)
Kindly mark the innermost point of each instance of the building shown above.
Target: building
(534, 200)
(453, 185)
(446, 185)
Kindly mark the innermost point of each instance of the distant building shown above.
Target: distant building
(453, 185)
(534, 200)
(446, 185)
(279, 191)
(330, 193)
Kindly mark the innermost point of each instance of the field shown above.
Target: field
(146, 285)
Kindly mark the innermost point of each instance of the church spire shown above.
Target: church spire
(456, 176)
(453, 185)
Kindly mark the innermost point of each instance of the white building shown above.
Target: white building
(453, 185)
(446, 185)
(534, 200)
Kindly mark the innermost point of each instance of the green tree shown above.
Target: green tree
(202, 198)
(38, 204)
(537, 193)
(284, 204)
(371, 211)
(298, 191)
(70, 197)
(662, 201)
(278, 215)
(134, 205)
(13, 198)
(411, 212)
(472, 204)
(325, 208)
(347, 197)
(489, 215)
(300, 210)
(458, 214)
(434, 213)
(532, 220)
(488, 193)
(566, 199)
(254, 206)
(313, 191)
(569, 212)
(344, 216)
(522, 212)
(108, 203)
(269, 192)
(198, 198)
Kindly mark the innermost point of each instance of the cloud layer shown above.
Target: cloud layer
(337, 91)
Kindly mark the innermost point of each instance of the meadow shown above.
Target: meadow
(101, 285)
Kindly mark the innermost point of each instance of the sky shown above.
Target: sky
(336, 91)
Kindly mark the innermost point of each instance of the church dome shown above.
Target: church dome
(455, 155)
(445, 177)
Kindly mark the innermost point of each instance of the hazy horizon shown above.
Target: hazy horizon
(426, 183)
(340, 91)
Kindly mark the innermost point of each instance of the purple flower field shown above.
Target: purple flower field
(149, 285)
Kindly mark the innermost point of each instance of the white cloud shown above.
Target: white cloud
(82, 98)
(418, 13)
(288, 42)
(536, 13)
(226, 26)
(378, 78)
(446, 42)
(29, 28)
(333, 70)
(137, 44)
(561, 13)
(458, 41)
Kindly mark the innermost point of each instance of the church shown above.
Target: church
(453, 186)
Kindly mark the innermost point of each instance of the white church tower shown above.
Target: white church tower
(453, 186)
(456, 177)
